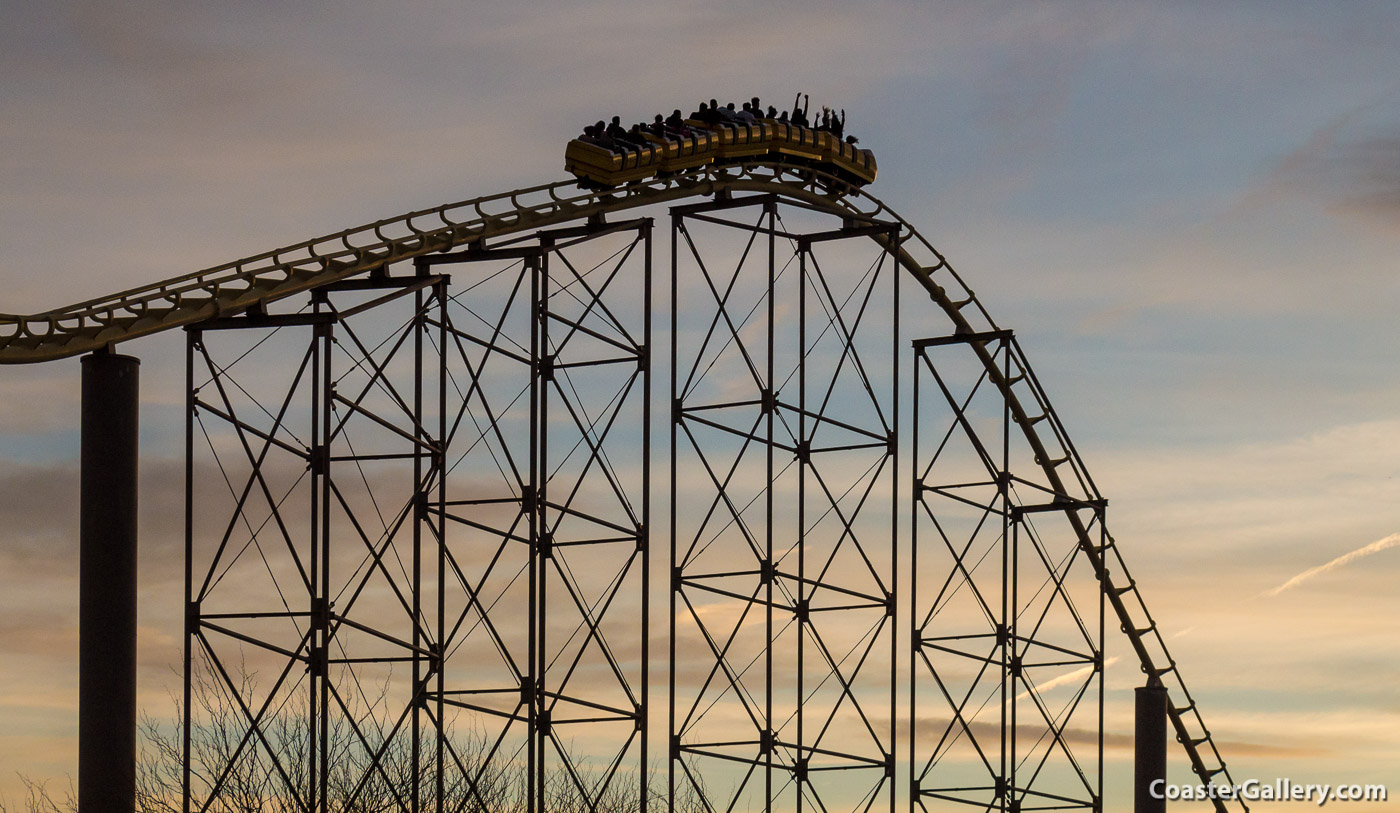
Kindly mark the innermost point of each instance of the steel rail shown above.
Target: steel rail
(254, 282)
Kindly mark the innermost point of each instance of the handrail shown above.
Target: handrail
(263, 278)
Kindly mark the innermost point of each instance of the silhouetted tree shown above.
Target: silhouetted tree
(254, 779)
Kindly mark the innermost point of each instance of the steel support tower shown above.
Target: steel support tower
(437, 492)
(1006, 680)
(784, 441)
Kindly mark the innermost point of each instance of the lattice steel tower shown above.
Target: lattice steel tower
(424, 531)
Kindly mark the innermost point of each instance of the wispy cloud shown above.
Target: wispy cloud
(1076, 677)
(1345, 559)
(931, 729)
(1352, 164)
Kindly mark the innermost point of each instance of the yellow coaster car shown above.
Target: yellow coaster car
(779, 141)
(849, 159)
(609, 167)
(789, 139)
(679, 153)
(743, 140)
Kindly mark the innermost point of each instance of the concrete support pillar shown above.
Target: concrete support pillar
(1150, 747)
(107, 611)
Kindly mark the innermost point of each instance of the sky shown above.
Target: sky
(1189, 212)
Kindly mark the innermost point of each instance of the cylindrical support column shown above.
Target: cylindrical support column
(107, 602)
(1150, 749)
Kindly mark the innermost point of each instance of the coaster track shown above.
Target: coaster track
(251, 284)
(254, 282)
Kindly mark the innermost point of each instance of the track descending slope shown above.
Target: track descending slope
(250, 284)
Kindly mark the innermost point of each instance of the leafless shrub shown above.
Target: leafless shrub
(371, 771)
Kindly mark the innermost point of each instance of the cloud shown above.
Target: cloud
(1349, 733)
(1236, 748)
(1374, 175)
(41, 398)
(1279, 495)
(1345, 559)
(931, 729)
(1352, 165)
(40, 521)
(1072, 677)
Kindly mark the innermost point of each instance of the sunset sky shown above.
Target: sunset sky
(1189, 212)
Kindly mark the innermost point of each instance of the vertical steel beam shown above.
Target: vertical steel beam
(1150, 747)
(319, 554)
(1010, 599)
(803, 461)
(420, 516)
(644, 538)
(440, 539)
(107, 604)
(534, 671)
(192, 339)
(892, 250)
(915, 626)
(770, 408)
(673, 740)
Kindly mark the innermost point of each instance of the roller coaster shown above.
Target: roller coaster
(975, 521)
